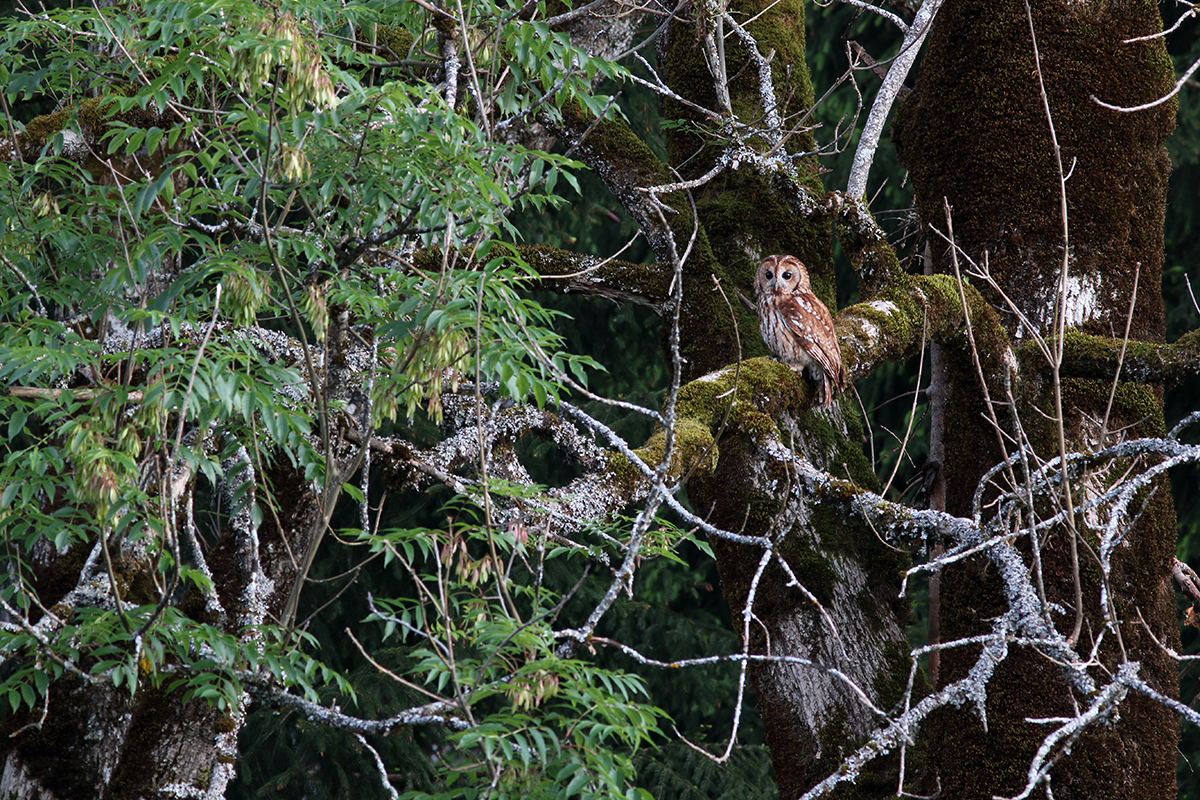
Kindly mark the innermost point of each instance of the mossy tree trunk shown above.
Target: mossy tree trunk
(827, 598)
(976, 136)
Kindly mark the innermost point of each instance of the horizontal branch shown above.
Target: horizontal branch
(37, 392)
(1098, 357)
(735, 658)
(437, 713)
(620, 281)
(907, 314)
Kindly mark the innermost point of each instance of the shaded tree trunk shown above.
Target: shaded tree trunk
(975, 135)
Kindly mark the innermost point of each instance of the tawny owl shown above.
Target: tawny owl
(796, 326)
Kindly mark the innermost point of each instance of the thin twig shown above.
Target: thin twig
(1061, 329)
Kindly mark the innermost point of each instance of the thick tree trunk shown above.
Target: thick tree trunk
(99, 741)
(975, 135)
(833, 607)
(836, 610)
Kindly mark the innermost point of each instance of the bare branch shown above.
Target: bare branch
(1179, 84)
(914, 36)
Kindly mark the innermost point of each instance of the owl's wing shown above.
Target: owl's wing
(809, 319)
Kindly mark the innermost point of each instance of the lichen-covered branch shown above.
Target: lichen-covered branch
(435, 713)
(914, 36)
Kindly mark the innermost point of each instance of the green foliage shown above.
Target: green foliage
(225, 194)
(161, 647)
(544, 724)
(682, 773)
(514, 343)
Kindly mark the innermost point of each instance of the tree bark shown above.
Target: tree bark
(975, 134)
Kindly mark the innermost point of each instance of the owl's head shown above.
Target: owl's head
(781, 275)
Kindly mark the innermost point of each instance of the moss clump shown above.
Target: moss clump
(395, 38)
(1133, 402)
(693, 448)
(623, 473)
(39, 129)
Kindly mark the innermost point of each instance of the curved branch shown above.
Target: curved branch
(625, 163)
(1179, 84)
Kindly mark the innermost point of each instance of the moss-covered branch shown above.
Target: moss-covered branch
(82, 127)
(1099, 357)
(620, 281)
(911, 311)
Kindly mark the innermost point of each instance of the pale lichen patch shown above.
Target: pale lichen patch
(1083, 297)
(884, 306)
(713, 377)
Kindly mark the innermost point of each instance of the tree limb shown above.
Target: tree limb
(1086, 356)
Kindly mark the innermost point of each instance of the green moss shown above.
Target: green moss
(394, 37)
(1132, 402)
(622, 472)
(93, 117)
(746, 401)
(693, 448)
(873, 258)
(39, 129)
(92, 114)
(1093, 356)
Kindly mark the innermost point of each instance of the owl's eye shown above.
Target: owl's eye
(787, 276)
(768, 274)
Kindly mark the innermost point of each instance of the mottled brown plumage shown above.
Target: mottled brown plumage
(796, 326)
